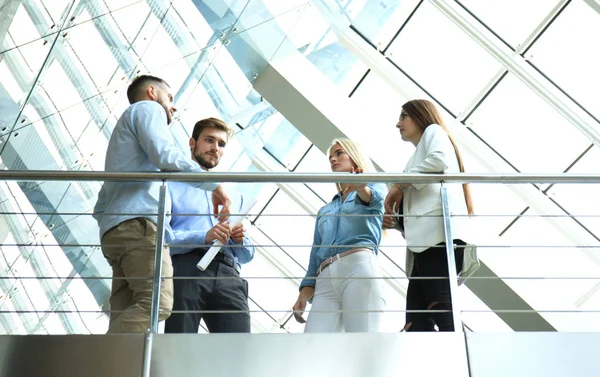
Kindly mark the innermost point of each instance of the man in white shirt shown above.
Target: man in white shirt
(126, 211)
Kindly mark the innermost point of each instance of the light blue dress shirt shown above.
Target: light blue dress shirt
(190, 231)
(141, 141)
(334, 228)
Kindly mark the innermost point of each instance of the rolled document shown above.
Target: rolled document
(209, 256)
(216, 247)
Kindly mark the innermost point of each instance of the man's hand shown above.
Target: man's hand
(220, 198)
(305, 294)
(220, 232)
(238, 233)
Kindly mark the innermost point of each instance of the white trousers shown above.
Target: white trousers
(346, 300)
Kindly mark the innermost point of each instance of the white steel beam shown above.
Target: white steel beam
(518, 66)
(595, 4)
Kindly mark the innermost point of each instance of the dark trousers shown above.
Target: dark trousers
(227, 293)
(422, 293)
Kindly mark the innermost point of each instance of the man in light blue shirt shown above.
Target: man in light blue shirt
(126, 211)
(218, 294)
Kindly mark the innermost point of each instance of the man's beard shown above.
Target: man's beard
(169, 118)
(205, 163)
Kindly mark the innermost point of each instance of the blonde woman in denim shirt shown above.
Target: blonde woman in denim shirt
(348, 293)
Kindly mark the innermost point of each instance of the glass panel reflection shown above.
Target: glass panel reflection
(459, 61)
(31, 20)
(258, 12)
(509, 123)
(18, 69)
(552, 285)
(376, 20)
(315, 161)
(575, 197)
(294, 244)
(571, 42)
(512, 20)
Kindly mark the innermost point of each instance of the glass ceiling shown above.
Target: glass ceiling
(65, 66)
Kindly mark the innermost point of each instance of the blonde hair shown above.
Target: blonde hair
(424, 113)
(357, 154)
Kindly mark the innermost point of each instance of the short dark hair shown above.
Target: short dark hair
(211, 123)
(139, 84)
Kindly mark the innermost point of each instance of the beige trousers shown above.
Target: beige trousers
(129, 248)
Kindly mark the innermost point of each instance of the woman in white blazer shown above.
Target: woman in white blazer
(421, 124)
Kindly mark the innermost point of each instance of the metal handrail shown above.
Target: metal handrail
(294, 177)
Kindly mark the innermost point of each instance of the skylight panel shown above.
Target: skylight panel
(513, 20)
(569, 53)
(442, 58)
(95, 55)
(525, 130)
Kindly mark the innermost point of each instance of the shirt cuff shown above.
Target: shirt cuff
(206, 186)
(308, 283)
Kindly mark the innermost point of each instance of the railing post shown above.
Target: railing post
(452, 274)
(147, 357)
(156, 280)
(160, 244)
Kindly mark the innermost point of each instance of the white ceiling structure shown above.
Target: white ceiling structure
(517, 82)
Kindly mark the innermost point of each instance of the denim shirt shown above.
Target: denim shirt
(335, 232)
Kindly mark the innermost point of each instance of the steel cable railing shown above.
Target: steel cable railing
(163, 216)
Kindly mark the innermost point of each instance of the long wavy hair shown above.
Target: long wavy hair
(424, 113)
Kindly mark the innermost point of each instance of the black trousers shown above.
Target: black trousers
(229, 293)
(422, 293)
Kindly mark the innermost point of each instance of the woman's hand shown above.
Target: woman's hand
(389, 221)
(392, 200)
(362, 190)
(305, 294)
(356, 186)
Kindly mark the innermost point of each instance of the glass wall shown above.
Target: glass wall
(65, 66)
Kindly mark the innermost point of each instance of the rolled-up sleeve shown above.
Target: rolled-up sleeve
(378, 194)
(313, 264)
(244, 252)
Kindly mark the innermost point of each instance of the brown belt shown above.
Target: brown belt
(339, 256)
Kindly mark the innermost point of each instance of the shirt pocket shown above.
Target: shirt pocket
(423, 213)
(428, 214)
(326, 224)
(351, 203)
